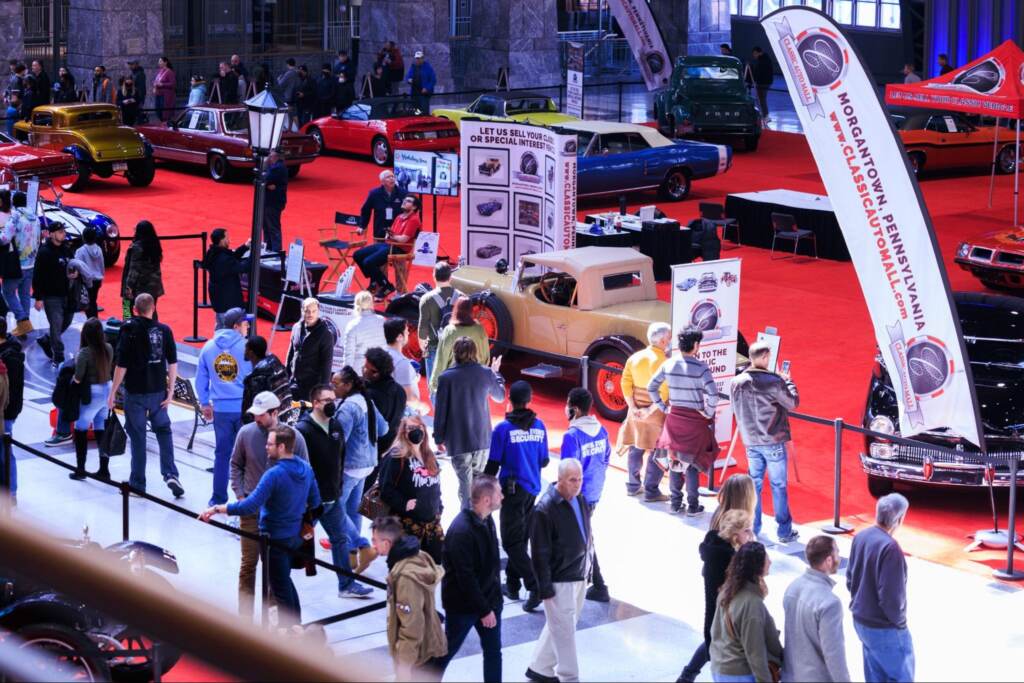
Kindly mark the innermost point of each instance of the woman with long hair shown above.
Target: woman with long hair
(410, 483)
(64, 87)
(744, 640)
(364, 331)
(127, 101)
(737, 493)
(462, 325)
(93, 372)
(141, 274)
(163, 89)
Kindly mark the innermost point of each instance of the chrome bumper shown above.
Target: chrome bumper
(942, 473)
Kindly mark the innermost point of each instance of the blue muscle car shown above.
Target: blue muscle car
(615, 158)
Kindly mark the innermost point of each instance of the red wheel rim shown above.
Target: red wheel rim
(485, 316)
(609, 388)
(412, 347)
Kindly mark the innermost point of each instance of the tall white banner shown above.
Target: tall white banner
(574, 56)
(706, 295)
(884, 222)
(641, 32)
(519, 191)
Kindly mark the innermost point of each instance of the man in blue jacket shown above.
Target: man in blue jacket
(274, 201)
(586, 440)
(285, 492)
(220, 383)
(384, 203)
(519, 451)
(421, 79)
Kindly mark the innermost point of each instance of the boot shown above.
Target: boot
(81, 448)
(104, 471)
(22, 328)
(366, 557)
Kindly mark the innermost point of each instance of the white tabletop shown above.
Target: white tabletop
(790, 198)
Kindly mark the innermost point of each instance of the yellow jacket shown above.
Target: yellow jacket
(445, 355)
(640, 368)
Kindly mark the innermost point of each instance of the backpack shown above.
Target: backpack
(268, 375)
(445, 307)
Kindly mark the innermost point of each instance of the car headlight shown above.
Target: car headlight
(883, 424)
(963, 250)
(112, 231)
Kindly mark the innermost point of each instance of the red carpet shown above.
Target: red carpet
(816, 305)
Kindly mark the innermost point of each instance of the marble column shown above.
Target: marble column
(110, 32)
(696, 27)
(12, 30)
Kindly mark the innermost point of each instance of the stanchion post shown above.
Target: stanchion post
(154, 652)
(1010, 574)
(265, 580)
(837, 527)
(195, 338)
(206, 303)
(585, 371)
(125, 491)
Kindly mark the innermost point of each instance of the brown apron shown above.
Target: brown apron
(691, 436)
(641, 433)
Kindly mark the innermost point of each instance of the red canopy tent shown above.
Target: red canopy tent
(991, 85)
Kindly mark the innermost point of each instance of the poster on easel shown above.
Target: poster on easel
(574, 56)
(518, 191)
(427, 172)
(425, 252)
(706, 295)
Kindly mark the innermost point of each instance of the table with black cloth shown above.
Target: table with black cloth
(753, 211)
(663, 239)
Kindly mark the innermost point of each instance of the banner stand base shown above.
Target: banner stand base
(194, 340)
(836, 529)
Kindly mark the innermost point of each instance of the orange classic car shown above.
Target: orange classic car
(995, 258)
(938, 140)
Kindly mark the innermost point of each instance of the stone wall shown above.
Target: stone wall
(693, 27)
(413, 25)
(12, 29)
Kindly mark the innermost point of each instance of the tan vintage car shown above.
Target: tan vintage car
(593, 302)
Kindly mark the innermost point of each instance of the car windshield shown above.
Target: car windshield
(527, 104)
(394, 110)
(711, 73)
(236, 121)
(583, 139)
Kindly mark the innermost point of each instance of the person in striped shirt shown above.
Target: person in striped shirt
(689, 431)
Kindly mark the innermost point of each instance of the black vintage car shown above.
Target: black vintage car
(993, 328)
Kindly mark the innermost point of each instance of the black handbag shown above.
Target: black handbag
(115, 439)
(10, 261)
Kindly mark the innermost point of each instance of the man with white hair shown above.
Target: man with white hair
(384, 203)
(644, 421)
(561, 547)
(877, 579)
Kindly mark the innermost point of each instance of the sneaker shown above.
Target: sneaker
(675, 510)
(357, 591)
(695, 512)
(57, 440)
(598, 594)
(659, 498)
(540, 678)
(175, 486)
(634, 493)
(532, 602)
(790, 537)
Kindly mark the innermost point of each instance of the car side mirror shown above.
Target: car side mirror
(173, 125)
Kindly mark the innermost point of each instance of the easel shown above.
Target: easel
(215, 90)
(502, 83)
(367, 90)
(295, 272)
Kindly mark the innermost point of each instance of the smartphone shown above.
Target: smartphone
(785, 366)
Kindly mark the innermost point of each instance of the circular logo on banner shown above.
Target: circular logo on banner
(570, 146)
(823, 59)
(655, 62)
(528, 163)
(705, 314)
(929, 364)
(984, 78)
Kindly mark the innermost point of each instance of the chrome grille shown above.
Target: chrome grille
(917, 455)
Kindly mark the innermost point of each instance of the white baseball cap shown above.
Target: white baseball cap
(264, 401)
(418, 55)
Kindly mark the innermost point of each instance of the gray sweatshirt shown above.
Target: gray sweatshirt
(815, 649)
(92, 256)
(877, 579)
(249, 458)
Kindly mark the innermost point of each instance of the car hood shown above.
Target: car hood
(1005, 240)
(20, 157)
(411, 123)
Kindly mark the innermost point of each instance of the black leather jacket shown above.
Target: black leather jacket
(557, 550)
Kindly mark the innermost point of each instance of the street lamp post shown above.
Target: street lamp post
(266, 124)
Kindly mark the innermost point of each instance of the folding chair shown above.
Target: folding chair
(400, 262)
(785, 228)
(715, 213)
(337, 249)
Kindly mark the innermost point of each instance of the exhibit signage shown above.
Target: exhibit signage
(641, 32)
(706, 295)
(884, 221)
(519, 191)
(427, 172)
(574, 79)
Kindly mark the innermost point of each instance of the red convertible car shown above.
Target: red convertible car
(19, 163)
(379, 126)
(217, 136)
(995, 258)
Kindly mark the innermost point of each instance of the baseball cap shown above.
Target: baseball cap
(418, 55)
(233, 317)
(264, 401)
(520, 393)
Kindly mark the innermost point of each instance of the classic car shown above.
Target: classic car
(590, 301)
(508, 106)
(77, 220)
(707, 97)
(995, 258)
(489, 166)
(616, 158)
(379, 126)
(217, 136)
(20, 163)
(93, 134)
(487, 208)
(937, 140)
(993, 327)
(87, 643)
(488, 250)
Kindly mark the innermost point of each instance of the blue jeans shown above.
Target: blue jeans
(333, 520)
(138, 408)
(772, 458)
(279, 567)
(727, 678)
(17, 294)
(888, 653)
(348, 500)
(457, 627)
(95, 411)
(8, 428)
(225, 429)
(370, 259)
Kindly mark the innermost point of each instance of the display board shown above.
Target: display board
(336, 316)
(706, 295)
(519, 191)
(884, 221)
(427, 172)
(574, 56)
(641, 32)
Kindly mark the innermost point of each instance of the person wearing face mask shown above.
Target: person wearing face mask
(326, 86)
(345, 92)
(50, 287)
(248, 464)
(410, 483)
(325, 440)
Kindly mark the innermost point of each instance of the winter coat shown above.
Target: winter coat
(716, 553)
(472, 566)
(224, 267)
(140, 274)
(415, 634)
(326, 450)
(389, 398)
(364, 331)
(761, 401)
(462, 416)
(558, 551)
(444, 358)
(744, 639)
(309, 357)
(50, 277)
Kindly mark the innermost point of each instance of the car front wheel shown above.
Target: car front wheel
(1007, 159)
(380, 150)
(64, 644)
(318, 135)
(494, 316)
(218, 167)
(676, 186)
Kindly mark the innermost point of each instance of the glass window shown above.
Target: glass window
(711, 73)
(769, 6)
(751, 9)
(637, 142)
(614, 143)
(583, 139)
(734, 6)
(867, 11)
(236, 121)
(623, 280)
(527, 104)
(42, 119)
(890, 15)
(842, 11)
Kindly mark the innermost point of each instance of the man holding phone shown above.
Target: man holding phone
(761, 401)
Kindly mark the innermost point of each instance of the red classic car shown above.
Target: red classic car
(378, 126)
(19, 163)
(217, 136)
(937, 140)
(995, 258)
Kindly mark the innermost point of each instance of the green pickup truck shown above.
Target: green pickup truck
(708, 98)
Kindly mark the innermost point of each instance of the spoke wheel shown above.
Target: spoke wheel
(606, 385)
(381, 151)
(676, 186)
(66, 646)
(318, 135)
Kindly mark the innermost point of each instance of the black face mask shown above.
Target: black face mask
(330, 409)
(415, 436)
